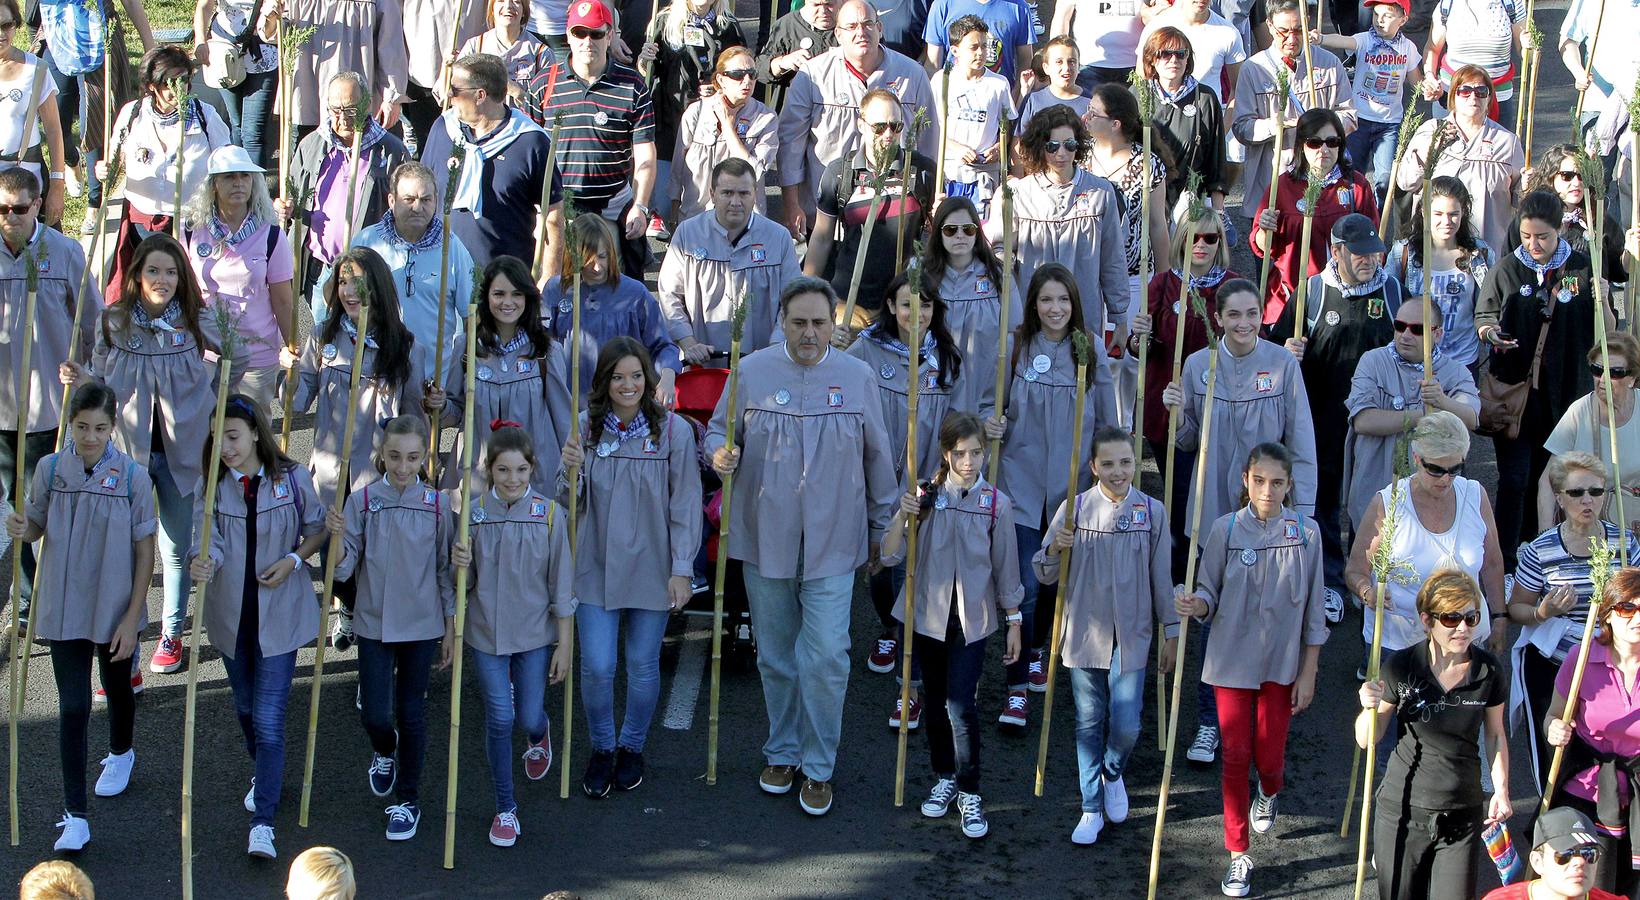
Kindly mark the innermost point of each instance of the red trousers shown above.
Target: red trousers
(1252, 731)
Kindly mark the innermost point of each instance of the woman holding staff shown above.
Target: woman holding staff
(1485, 156)
(639, 532)
(1458, 264)
(1587, 425)
(258, 601)
(967, 276)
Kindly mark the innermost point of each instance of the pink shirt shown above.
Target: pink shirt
(239, 276)
(1608, 715)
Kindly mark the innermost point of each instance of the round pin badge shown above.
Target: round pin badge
(1031, 376)
(782, 397)
(1526, 290)
(1178, 307)
(887, 371)
(1042, 363)
(1248, 557)
(605, 448)
(478, 514)
(699, 253)
(805, 43)
(940, 502)
(1398, 402)
(376, 505)
(564, 305)
(601, 117)
(1190, 111)
(484, 373)
(204, 250)
(1332, 317)
(134, 342)
(329, 352)
(1564, 295)
(1123, 521)
(1302, 206)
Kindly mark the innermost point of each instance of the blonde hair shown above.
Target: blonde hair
(56, 879)
(1180, 254)
(1450, 591)
(1563, 465)
(1440, 434)
(676, 15)
(590, 234)
(321, 873)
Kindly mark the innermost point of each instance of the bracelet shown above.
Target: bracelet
(1014, 618)
(1502, 615)
(56, 176)
(293, 557)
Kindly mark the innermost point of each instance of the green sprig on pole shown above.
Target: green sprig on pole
(1312, 195)
(1410, 121)
(180, 89)
(295, 40)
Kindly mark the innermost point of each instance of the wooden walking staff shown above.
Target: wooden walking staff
(905, 196)
(1006, 296)
(1594, 189)
(1410, 120)
(1634, 199)
(463, 532)
(180, 90)
(1080, 346)
(1309, 66)
(546, 200)
(1601, 558)
(913, 376)
(1189, 583)
(1594, 44)
(291, 41)
(361, 121)
(1192, 214)
(737, 327)
(207, 520)
(1522, 75)
(458, 160)
(333, 555)
(1312, 193)
(882, 166)
(1284, 95)
(18, 651)
(575, 255)
(945, 132)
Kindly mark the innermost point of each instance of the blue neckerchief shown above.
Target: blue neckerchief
(429, 239)
(621, 434)
(930, 356)
(167, 320)
(1213, 277)
(1330, 277)
(1562, 253)
(1418, 366)
(519, 342)
(1174, 97)
(353, 332)
(222, 237)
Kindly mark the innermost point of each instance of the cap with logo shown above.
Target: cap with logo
(1358, 235)
(588, 14)
(1564, 829)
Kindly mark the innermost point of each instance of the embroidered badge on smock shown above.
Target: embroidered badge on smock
(759, 254)
(525, 366)
(178, 338)
(1141, 515)
(986, 499)
(649, 445)
(538, 509)
(982, 285)
(834, 397)
(1264, 382)
(429, 497)
(281, 490)
(1289, 529)
(110, 480)
(940, 502)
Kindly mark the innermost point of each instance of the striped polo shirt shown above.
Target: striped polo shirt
(600, 122)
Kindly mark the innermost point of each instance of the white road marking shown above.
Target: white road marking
(680, 704)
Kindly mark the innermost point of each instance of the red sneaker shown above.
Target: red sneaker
(1016, 711)
(883, 658)
(167, 656)
(1038, 673)
(504, 830)
(101, 696)
(916, 715)
(538, 759)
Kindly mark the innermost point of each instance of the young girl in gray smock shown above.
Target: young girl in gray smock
(520, 602)
(151, 350)
(640, 508)
(968, 579)
(521, 373)
(968, 278)
(258, 601)
(1121, 557)
(94, 507)
(396, 536)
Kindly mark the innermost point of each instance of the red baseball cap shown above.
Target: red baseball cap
(588, 14)
(1404, 5)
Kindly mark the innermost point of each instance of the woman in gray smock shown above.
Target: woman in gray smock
(968, 278)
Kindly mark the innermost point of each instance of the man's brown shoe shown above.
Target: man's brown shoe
(816, 797)
(777, 779)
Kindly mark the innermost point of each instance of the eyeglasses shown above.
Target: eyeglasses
(583, 33)
(1331, 143)
(1417, 328)
(1624, 609)
(968, 230)
(1478, 91)
(1210, 238)
(1579, 493)
(1179, 54)
(1573, 175)
(1453, 620)
(1590, 855)
(1283, 32)
(738, 74)
(859, 26)
(15, 209)
(1441, 471)
(1597, 370)
(1070, 146)
(878, 128)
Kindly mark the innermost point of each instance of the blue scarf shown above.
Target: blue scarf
(519, 342)
(1213, 277)
(167, 321)
(223, 238)
(930, 356)
(1330, 277)
(638, 427)
(1175, 97)
(373, 134)
(353, 332)
(1562, 253)
(428, 241)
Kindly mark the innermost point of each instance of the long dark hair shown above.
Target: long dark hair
(1451, 188)
(93, 396)
(945, 346)
(1123, 108)
(1310, 125)
(518, 274)
(1032, 321)
(187, 293)
(1543, 174)
(936, 260)
(275, 464)
(508, 439)
(393, 340)
(598, 402)
(957, 427)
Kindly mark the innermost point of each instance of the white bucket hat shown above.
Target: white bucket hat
(232, 158)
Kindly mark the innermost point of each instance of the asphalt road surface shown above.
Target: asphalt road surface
(677, 837)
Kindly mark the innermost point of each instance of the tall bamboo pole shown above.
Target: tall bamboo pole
(207, 520)
(18, 651)
(361, 121)
(1597, 546)
(575, 254)
(463, 533)
(1284, 93)
(1410, 120)
(913, 376)
(458, 159)
(1080, 346)
(291, 41)
(334, 553)
(737, 328)
(1525, 68)
(1192, 213)
(180, 89)
(1005, 295)
(905, 199)
(882, 164)
(1594, 45)
(546, 201)
(1634, 204)
(1312, 193)
(945, 130)
(1304, 38)
(1594, 191)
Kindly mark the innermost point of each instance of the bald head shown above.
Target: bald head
(860, 33)
(1409, 341)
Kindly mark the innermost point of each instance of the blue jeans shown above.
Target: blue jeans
(1030, 541)
(1108, 712)
(515, 690)
(600, 632)
(392, 689)
(802, 655)
(250, 115)
(176, 535)
(951, 670)
(261, 689)
(1372, 147)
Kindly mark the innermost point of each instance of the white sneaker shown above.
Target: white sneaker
(1116, 801)
(261, 843)
(974, 823)
(939, 799)
(1264, 812)
(250, 798)
(1205, 747)
(1238, 879)
(76, 833)
(1087, 830)
(116, 773)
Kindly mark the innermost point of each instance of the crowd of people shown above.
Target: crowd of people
(991, 216)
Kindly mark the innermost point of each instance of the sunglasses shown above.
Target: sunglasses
(1590, 855)
(1210, 238)
(1441, 471)
(1579, 493)
(1417, 328)
(15, 209)
(738, 74)
(1478, 91)
(1573, 175)
(1597, 370)
(1453, 620)
(1071, 146)
(968, 230)
(1625, 610)
(1331, 143)
(878, 128)
(1178, 54)
(597, 35)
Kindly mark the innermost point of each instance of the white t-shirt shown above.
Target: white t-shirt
(1107, 33)
(1214, 43)
(1381, 69)
(16, 114)
(975, 114)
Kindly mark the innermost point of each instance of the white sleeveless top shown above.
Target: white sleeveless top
(1419, 553)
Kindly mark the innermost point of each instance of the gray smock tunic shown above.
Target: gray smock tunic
(815, 487)
(364, 36)
(966, 553)
(287, 512)
(397, 550)
(1383, 380)
(323, 374)
(1041, 408)
(701, 146)
(1256, 103)
(516, 387)
(61, 266)
(640, 511)
(704, 275)
(1257, 398)
(1078, 225)
(1489, 166)
(973, 313)
(522, 578)
(159, 365)
(893, 370)
(1263, 586)
(92, 522)
(1120, 580)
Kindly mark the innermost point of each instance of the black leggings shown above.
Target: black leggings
(71, 664)
(1426, 854)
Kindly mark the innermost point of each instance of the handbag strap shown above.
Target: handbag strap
(1543, 338)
